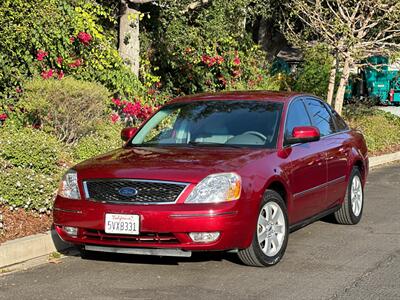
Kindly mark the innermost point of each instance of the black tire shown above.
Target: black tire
(345, 215)
(254, 255)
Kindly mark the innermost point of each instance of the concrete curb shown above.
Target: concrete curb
(38, 245)
(384, 159)
(30, 247)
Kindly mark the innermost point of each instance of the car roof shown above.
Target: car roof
(240, 95)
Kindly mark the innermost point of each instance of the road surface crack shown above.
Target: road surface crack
(366, 274)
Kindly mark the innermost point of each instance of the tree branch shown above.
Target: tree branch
(141, 1)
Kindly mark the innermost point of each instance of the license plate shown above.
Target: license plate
(122, 224)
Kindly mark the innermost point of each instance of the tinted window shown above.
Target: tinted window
(297, 116)
(340, 123)
(320, 116)
(213, 123)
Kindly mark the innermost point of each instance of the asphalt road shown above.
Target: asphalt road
(322, 261)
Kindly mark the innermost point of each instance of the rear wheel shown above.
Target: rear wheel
(271, 234)
(351, 211)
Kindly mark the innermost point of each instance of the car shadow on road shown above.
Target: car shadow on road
(197, 257)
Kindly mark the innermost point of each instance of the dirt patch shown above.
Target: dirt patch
(19, 223)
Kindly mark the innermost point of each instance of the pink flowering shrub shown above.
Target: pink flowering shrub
(54, 65)
(130, 113)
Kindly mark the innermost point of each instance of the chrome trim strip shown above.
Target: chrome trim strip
(85, 189)
(87, 197)
(204, 215)
(68, 210)
(141, 251)
(337, 180)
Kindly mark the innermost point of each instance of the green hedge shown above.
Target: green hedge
(31, 148)
(381, 129)
(105, 138)
(27, 188)
(67, 108)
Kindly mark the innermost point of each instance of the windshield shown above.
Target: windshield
(213, 123)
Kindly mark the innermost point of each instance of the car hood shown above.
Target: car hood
(184, 164)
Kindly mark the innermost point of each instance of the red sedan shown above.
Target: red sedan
(217, 172)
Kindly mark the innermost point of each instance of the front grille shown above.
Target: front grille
(145, 192)
(143, 238)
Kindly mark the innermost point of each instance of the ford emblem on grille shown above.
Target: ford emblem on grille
(127, 191)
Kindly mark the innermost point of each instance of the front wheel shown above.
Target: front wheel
(271, 234)
(351, 210)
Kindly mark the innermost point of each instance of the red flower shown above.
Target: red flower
(219, 59)
(236, 61)
(18, 90)
(41, 54)
(132, 109)
(60, 74)
(208, 60)
(205, 59)
(3, 117)
(72, 39)
(47, 74)
(116, 101)
(59, 60)
(212, 62)
(76, 63)
(114, 118)
(84, 38)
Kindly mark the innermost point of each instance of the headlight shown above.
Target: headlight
(216, 188)
(69, 185)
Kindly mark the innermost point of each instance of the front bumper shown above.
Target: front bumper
(161, 226)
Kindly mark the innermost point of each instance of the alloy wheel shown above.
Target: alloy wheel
(271, 228)
(356, 196)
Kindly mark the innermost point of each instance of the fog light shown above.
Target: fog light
(71, 231)
(204, 237)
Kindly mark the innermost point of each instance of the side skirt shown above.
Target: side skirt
(312, 219)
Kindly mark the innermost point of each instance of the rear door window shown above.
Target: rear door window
(340, 123)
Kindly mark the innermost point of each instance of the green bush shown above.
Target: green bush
(52, 27)
(313, 73)
(106, 137)
(33, 149)
(26, 188)
(203, 50)
(380, 129)
(68, 108)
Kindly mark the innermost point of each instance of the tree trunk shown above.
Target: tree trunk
(129, 45)
(332, 79)
(342, 85)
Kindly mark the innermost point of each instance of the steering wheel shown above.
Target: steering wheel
(257, 134)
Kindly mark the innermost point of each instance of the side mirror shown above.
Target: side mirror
(304, 134)
(128, 132)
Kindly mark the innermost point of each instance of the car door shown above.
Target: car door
(308, 172)
(333, 144)
(337, 155)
